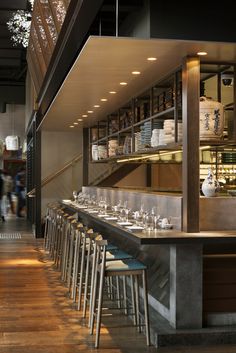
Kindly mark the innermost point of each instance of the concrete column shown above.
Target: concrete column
(186, 286)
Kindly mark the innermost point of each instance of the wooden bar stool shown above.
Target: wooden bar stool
(105, 269)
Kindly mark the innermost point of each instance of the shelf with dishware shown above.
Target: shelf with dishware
(135, 127)
(151, 124)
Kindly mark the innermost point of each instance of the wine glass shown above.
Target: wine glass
(75, 195)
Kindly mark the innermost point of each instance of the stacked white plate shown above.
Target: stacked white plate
(137, 141)
(94, 152)
(155, 137)
(112, 147)
(102, 152)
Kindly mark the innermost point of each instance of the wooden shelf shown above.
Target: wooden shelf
(168, 147)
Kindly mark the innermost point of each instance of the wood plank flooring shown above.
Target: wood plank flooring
(37, 317)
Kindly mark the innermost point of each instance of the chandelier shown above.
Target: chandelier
(19, 26)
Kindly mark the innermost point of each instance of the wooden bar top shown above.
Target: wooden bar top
(159, 236)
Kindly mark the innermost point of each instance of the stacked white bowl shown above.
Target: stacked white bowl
(167, 135)
(94, 152)
(137, 141)
(112, 147)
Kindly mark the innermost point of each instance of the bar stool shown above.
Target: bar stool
(105, 269)
(49, 225)
(67, 248)
(113, 253)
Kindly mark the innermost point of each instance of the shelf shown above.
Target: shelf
(141, 153)
(129, 128)
(157, 115)
(165, 148)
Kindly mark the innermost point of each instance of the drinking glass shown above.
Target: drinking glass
(149, 222)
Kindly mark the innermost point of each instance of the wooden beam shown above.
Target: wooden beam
(190, 165)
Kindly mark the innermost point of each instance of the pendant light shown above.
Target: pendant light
(12, 141)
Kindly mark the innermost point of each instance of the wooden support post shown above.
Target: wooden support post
(234, 99)
(191, 183)
(37, 178)
(85, 156)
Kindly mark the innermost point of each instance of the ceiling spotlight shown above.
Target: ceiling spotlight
(136, 72)
(112, 92)
(103, 99)
(71, 125)
(96, 106)
(75, 123)
(123, 83)
(202, 53)
(84, 115)
(90, 111)
(80, 119)
(151, 59)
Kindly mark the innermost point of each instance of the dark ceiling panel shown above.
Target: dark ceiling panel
(12, 58)
(13, 4)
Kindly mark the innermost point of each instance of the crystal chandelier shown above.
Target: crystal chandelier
(19, 26)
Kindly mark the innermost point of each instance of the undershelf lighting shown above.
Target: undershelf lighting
(160, 154)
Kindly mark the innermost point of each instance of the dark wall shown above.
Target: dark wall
(193, 20)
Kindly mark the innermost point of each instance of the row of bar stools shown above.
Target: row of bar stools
(81, 254)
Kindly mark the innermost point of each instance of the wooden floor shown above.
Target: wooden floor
(37, 317)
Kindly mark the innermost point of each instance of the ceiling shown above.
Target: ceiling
(12, 59)
(104, 62)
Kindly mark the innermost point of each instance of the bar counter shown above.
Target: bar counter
(159, 236)
(186, 283)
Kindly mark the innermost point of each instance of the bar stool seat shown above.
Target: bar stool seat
(117, 254)
(121, 265)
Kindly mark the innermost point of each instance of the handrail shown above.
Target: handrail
(52, 176)
(105, 174)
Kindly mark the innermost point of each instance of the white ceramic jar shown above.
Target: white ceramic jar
(211, 119)
(210, 185)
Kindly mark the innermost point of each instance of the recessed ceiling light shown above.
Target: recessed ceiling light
(96, 106)
(112, 92)
(84, 115)
(80, 119)
(151, 59)
(202, 53)
(90, 111)
(71, 125)
(75, 123)
(103, 99)
(123, 83)
(136, 72)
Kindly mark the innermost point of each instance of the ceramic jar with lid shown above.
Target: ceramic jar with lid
(211, 119)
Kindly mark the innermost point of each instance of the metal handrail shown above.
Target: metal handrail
(52, 176)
